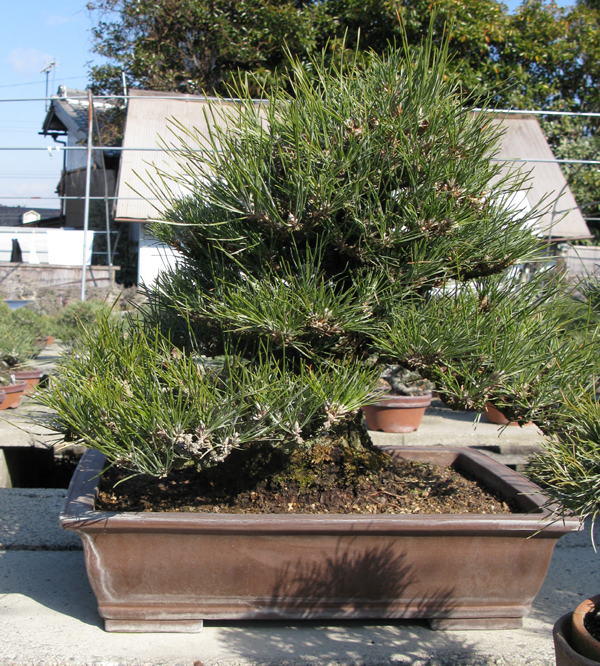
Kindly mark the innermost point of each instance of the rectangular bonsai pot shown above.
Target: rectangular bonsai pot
(170, 571)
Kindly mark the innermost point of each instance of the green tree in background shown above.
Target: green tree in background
(477, 29)
(190, 46)
(543, 56)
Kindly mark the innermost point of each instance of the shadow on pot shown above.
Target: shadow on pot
(377, 581)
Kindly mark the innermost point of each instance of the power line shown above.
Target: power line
(104, 148)
(543, 161)
(83, 98)
(37, 83)
(200, 98)
(168, 151)
(79, 198)
(538, 112)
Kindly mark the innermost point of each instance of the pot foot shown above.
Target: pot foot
(475, 623)
(154, 626)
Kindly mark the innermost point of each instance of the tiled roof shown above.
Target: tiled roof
(69, 111)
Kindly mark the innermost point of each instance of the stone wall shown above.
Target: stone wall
(28, 280)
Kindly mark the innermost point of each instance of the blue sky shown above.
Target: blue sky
(513, 4)
(33, 33)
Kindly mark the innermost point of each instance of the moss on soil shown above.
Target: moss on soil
(340, 473)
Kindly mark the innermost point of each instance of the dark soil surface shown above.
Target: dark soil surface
(592, 623)
(400, 486)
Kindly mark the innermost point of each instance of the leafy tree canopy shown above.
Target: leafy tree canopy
(194, 45)
(542, 57)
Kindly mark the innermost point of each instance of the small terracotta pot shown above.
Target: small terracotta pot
(13, 395)
(399, 413)
(581, 639)
(563, 650)
(45, 341)
(494, 415)
(32, 377)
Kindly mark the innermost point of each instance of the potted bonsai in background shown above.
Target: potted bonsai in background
(403, 398)
(20, 341)
(354, 212)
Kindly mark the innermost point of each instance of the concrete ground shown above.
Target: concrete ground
(511, 445)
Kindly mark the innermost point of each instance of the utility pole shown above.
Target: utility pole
(47, 69)
(88, 178)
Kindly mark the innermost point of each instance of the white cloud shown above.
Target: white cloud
(57, 19)
(27, 62)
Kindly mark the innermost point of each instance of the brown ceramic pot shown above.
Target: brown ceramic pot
(170, 571)
(400, 413)
(32, 377)
(581, 639)
(566, 655)
(13, 395)
(494, 415)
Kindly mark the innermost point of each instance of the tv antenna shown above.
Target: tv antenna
(47, 69)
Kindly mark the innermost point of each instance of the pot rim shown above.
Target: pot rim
(29, 374)
(79, 514)
(403, 401)
(581, 638)
(14, 388)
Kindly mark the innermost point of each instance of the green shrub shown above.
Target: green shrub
(135, 397)
(20, 336)
(76, 316)
(569, 467)
(40, 326)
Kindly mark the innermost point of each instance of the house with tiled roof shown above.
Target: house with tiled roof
(66, 122)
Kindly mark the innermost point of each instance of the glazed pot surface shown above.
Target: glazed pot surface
(169, 571)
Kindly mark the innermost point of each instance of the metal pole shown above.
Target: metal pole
(86, 210)
(106, 209)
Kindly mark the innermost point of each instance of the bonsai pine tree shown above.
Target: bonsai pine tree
(351, 219)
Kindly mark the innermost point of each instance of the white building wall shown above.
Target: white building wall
(58, 247)
(153, 256)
